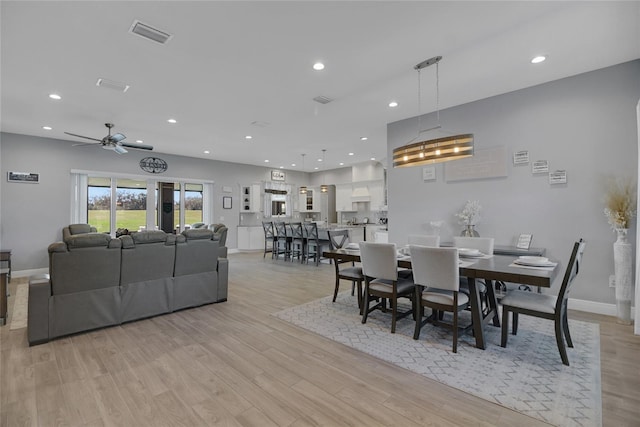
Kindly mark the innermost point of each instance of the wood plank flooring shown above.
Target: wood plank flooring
(233, 364)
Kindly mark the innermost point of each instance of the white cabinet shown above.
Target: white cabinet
(343, 198)
(381, 237)
(356, 234)
(376, 191)
(250, 198)
(250, 238)
(310, 202)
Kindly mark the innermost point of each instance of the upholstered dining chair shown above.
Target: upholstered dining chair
(485, 246)
(424, 240)
(380, 269)
(437, 286)
(338, 239)
(545, 306)
(269, 238)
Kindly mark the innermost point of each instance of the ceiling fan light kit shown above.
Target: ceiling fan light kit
(435, 149)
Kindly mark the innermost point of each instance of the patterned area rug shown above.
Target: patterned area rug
(18, 311)
(527, 376)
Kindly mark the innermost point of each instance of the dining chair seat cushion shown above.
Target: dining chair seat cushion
(382, 285)
(444, 297)
(530, 301)
(352, 273)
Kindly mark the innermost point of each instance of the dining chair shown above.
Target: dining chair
(298, 241)
(283, 240)
(485, 246)
(269, 238)
(315, 244)
(545, 306)
(380, 270)
(424, 240)
(437, 286)
(338, 239)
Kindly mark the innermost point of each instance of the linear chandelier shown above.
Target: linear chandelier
(434, 150)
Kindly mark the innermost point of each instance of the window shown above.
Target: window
(193, 203)
(99, 203)
(131, 204)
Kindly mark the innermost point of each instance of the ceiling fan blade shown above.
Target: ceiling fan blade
(82, 136)
(84, 144)
(116, 137)
(115, 147)
(136, 146)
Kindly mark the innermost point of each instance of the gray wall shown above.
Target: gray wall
(584, 124)
(32, 215)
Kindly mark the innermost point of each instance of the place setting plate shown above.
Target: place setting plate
(469, 253)
(534, 261)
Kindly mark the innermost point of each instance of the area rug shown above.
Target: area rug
(18, 311)
(526, 376)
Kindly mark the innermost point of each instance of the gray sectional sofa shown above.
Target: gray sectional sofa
(96, 281)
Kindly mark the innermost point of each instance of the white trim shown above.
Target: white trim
(158, 178)
(594, 307)
(28, 273)
(636, 327)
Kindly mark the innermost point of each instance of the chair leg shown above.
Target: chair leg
(418, 315)
(335, 291)
(365, 305)
(455, 329)
(353, 287)
(505, 326)
(515, 323)
(394, 312)
(560, 342)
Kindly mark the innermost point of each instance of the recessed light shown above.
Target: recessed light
(47, 127)
(538, 59)
(266, 161)
(281, 167)
(139, 141)
(363, 138)
(318, 66)
(341, 163)
(316, 168)
(55, 96)
(207, 152)
(373, 158)
(293, 165)
(351, 154)
(393, 104)
(319, 160)
(172, 121)
(248, 137)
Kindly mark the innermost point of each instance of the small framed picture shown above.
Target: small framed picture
(558, 177)
(524, 241)
(521, 157)
(26, 177)
(226, 202)
(540, 166)
(429, 173)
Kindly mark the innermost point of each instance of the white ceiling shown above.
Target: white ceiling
(233, 63)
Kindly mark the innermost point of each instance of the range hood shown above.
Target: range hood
(360, 194)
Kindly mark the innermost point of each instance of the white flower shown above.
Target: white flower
(470, 215)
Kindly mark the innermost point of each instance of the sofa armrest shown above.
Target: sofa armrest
(38, 309)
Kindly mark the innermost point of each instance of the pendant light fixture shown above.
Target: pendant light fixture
(436, 149)
(303, 189)
(324, 187)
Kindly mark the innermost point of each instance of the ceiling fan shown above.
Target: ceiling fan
(113, 142)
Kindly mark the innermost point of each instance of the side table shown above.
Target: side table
(5, 257)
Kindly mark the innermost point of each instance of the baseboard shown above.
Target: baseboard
(27, 273)
(595, 307)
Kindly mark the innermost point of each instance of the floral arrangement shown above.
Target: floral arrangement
(470, 215)
(620, 203)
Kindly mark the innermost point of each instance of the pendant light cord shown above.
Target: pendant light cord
(438, 93)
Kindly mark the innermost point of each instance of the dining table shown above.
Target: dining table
(490, 268)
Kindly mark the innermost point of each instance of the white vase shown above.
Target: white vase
(623, 272)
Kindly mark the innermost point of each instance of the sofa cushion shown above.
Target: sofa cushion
(79, 228)
(152, 236)
(198, 234)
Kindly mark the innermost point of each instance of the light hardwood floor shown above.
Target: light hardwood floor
(233, 364)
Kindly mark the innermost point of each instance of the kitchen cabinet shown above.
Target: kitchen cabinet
(250, 198)
(381, 237)
(376, 192)
(310, 202)
(343, 198)
(250, 238)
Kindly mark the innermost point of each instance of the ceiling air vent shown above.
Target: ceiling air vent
(110, 84)
(260, 124)
(322, 99)
(150, 33)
